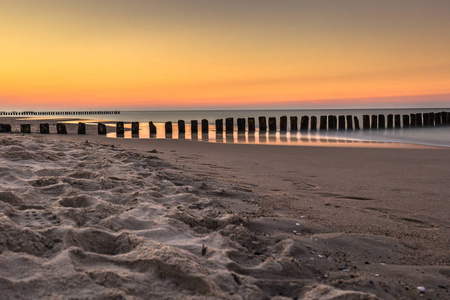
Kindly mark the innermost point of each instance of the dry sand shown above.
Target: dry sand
(87, 217)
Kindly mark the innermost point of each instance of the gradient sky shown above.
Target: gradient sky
(144, 54)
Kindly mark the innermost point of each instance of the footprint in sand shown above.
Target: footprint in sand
(36, 219)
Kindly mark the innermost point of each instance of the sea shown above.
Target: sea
(431, 136)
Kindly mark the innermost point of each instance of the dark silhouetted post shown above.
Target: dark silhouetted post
(341, 122)
(5, 128)
(406, 121)
(25, 128)
(168, 127)
(294, 123)
(374, 124)
(205, 126)
(262, 124)
(390, 121)
(304, 123)
(323, 122)
(431, 119)
(229, 125)
(332, 122)
(134, 128)
(251, 125)
(44, 128)
(152, 128)
(219, 125)
(194, 126)
(61, 128)
(438, 119)
(101, 128)
(366, 122)
(313, 123)
(120, 129)
(272, 124)
(419, 120)
(181, 127)
(241, 125)
(356, 121)
(81, 128)
(283, 123)
(381, 122)
(426, 119)
(444, 117)
(397, 121)
(349, 122)
(412, 122)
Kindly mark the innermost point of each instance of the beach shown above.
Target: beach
(90, 217)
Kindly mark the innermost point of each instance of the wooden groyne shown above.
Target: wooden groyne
(303, 124)
(59, 113)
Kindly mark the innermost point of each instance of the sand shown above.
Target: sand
(86, 217)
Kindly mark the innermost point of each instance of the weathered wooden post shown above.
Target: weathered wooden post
(219, 125)
(152, 128)
(366, 122)
(81, 128)
(426, 120)
(381, 122)
(61, 128)
(283, 123)
(3, 127)
(412, 120)
(374, 124)
(181, 127)
(251, 125)
(332, 124)
(304, 123)
(205, 126)
(438, 119)
(323, 122)
(406, 121)
(101, 128)
(272, 124)
(294, 123)
(397, 121)
(262, 124)
(313, 123)
(229, 125)
(194, 126)
(168, 127)
(444, 117)
(431, 119)
(25, 128)
(44, 128)
(390, 121)
(349, 122)
(134, 128)
(120, 128)
(419, 120)
(341, 123)
(241, 125)
(356, 121)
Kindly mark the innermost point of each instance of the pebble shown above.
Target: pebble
(421, 289)
(297, 224)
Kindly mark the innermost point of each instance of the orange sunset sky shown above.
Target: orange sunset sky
(191, 54)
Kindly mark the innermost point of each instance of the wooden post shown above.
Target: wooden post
(397, 121)
(419, 120)
(44, 128)
(323, 122)
(262, 124)
(241, 125)
(219, 126)
(390, 121)
(381, 122)
(374, 124)
(332, 124)
(101, 128)
(251, 125)
(444, 116)
(341, 122)
(304, 123)
(61, 128)
(205, 126)
(413, 120)
(194, 126)
(431, 119)
(406, 121)
(152, 128)
(181, 127)
(283, 124)
(426, 119)
(272, 124)
(294, 123)
(4, 127)
(438, 119)
(168, 127)
(25, 128)
(120, 128)
(356, 121)
(349, 122)
(229, 125)
(81, 128)
(313, 123)
(366, 122)
(134, 128)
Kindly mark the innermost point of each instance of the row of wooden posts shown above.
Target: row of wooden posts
(59, 113)
(306, 123)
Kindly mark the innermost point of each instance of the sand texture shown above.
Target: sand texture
(91, 218)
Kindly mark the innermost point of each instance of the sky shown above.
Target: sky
(203, 54)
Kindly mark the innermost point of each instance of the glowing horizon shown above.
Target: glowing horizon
(197, 54)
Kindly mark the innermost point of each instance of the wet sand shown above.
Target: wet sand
(86, 215)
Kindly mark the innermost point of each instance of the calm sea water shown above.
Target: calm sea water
(437, 136)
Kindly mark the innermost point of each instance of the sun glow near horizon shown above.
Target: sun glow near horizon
(148, 54)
